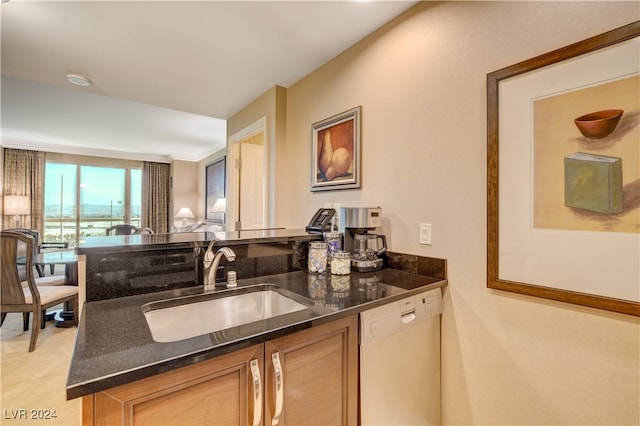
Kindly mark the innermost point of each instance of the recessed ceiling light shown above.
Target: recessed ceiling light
(78, 80)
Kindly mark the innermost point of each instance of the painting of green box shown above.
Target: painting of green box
(593, 183)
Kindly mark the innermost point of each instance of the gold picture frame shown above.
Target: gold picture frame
(335, 153)
(590, 267)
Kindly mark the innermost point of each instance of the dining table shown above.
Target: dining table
(66, 257)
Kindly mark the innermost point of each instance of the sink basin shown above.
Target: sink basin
(176, 319)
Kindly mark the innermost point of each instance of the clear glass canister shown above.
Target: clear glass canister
(341, 263)
(317, 261)
(333, 242)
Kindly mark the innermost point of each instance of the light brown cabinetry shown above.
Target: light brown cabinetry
(215, 392)
(316, 384)
(319, 374)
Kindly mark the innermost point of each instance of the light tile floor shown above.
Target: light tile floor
(33, 383)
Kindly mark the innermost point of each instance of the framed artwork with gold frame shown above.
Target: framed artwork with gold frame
(335, 152)
(563, 203)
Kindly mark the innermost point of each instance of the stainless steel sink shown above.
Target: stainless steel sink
(184, 317)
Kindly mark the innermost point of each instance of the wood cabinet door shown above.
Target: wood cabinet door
(318, 376)
(219, 391)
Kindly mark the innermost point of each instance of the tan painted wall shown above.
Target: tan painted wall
(507, 359)
(184, 191)
(1, 179)
(273, 105)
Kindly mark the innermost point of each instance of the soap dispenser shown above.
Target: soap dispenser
(232, 279)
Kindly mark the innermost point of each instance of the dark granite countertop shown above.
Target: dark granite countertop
(120, 243)
(114, 345)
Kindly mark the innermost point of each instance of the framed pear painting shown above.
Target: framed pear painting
(335, 162)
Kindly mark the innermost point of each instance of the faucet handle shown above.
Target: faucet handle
(209, 255)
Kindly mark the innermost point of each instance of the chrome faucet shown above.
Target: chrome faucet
(212, 261)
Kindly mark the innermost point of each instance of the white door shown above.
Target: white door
(247, 181)
(252, 209)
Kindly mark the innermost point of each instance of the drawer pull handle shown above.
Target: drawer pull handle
(277, 369)
(257, 397)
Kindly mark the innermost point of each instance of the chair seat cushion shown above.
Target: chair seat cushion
(47, 281)
(52, 280)
(52, 293)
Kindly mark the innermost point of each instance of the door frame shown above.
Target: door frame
(233, 176)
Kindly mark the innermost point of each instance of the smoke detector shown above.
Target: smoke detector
(78, 80)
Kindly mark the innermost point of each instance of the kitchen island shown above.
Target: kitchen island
(115, 347)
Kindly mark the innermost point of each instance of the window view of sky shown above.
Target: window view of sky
(102, 195)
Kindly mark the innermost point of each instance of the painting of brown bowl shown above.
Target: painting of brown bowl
(597, 125)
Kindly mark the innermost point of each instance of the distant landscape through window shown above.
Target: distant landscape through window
(84, 200)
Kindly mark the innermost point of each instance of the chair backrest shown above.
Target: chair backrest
(11, 246)
(33, 233)
(121, 229)
(143, 231)
(21, 250)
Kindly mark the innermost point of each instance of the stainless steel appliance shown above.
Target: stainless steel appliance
(360, 228)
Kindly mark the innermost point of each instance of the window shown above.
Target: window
(84, 200)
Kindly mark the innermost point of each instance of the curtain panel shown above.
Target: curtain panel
(24, 175)
(155, 196)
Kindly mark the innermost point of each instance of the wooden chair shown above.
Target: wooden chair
(36, 236)
(32, 299)
(21, 253)
(143, 231)
(40, 246)
(121, 229)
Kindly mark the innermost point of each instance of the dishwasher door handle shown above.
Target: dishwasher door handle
(406, 318)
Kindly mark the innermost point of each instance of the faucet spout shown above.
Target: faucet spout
(212, 261)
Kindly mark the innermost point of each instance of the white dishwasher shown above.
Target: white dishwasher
(400, 362)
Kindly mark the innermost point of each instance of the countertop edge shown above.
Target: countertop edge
(178, 240)
(87, 388)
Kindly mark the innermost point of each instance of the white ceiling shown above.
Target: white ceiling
(166, 74)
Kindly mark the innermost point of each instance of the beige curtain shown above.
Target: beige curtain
(155, 196)
(24, 175)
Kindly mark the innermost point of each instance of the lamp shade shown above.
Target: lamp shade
(220, 206)
(17, 205)
(185, 213)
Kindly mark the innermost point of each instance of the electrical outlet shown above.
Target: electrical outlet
(425, 233)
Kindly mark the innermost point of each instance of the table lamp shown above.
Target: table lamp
(17, 206)
(185, 214)
(220, 206)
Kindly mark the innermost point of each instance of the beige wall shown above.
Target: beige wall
(2, 179)
(184, 190)
(272, 105)
(507, 359)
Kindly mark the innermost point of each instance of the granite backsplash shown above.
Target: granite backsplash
(124, 274)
